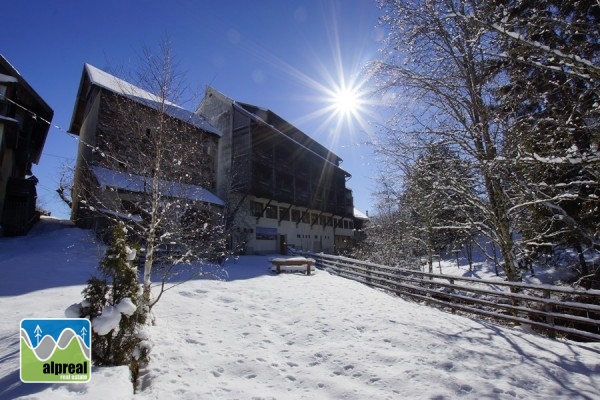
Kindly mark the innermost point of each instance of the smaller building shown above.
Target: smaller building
(132, 144)
(24, 123)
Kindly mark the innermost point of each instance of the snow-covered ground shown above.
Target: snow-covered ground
(257, 335)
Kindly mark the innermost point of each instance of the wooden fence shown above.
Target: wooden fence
(551, 310)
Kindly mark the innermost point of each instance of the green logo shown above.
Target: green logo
(55, 350)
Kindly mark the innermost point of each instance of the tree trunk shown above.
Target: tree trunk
(499, 206)
(469, 252)
(430, 248)
(584, 268)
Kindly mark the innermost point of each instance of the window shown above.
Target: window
(314, 219)
(285, 182)
(271, 212)
(284, 214)
(296, 215)
(263, 176)
(256, 209)
(306, 218)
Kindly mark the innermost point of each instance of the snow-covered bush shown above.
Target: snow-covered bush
(112, 301)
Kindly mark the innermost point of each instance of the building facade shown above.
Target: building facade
(127, 137)
(283, 188)
(275, 186)
(24, 123)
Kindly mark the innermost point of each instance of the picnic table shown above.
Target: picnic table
(293, 264)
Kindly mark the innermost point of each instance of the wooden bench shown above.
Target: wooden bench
(293, 264)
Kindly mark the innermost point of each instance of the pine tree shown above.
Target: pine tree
(434, 186)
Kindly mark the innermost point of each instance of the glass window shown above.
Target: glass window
(306, 218)
(257, 209)
(314, 219)
(284, 214)
(296, 215)
(271, 212)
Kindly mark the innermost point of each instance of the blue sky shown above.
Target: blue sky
(290, 56)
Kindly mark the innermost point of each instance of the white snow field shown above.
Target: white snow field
(257, 335)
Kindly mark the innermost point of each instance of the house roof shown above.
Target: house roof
(360, 215)
(8, 79)
(142, 184)
(93, 76)
(10, 75)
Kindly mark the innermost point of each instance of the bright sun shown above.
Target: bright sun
(346, 101)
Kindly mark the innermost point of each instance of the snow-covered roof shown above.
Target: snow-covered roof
(8, 119)
(39, 108)
(8, 79)
(141, 184)
(360, 215)
(116, 85)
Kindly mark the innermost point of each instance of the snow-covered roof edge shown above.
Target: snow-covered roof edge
(141, 184)
(8, 79)
(119, 86)
(360, 215)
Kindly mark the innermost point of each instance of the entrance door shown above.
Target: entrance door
(283, 244)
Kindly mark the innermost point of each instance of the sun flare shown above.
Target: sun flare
(337, 92)
(346, 101)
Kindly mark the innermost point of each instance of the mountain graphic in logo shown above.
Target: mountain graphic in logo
(55, 350)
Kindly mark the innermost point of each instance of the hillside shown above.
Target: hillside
(256, 335)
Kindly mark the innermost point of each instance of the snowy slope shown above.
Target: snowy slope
(258, 335)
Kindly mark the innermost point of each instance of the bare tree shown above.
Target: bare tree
(439, 63)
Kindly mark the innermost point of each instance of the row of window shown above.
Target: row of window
(309, 236)
(285, 214)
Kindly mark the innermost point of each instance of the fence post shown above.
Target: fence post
(549, 308)
(452, 298)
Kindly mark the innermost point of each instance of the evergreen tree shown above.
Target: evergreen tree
(112, 301)
(434, 187)
(388, 238)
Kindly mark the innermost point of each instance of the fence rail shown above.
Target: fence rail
(551, 310)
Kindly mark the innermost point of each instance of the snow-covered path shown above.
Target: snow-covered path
(257, 335)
